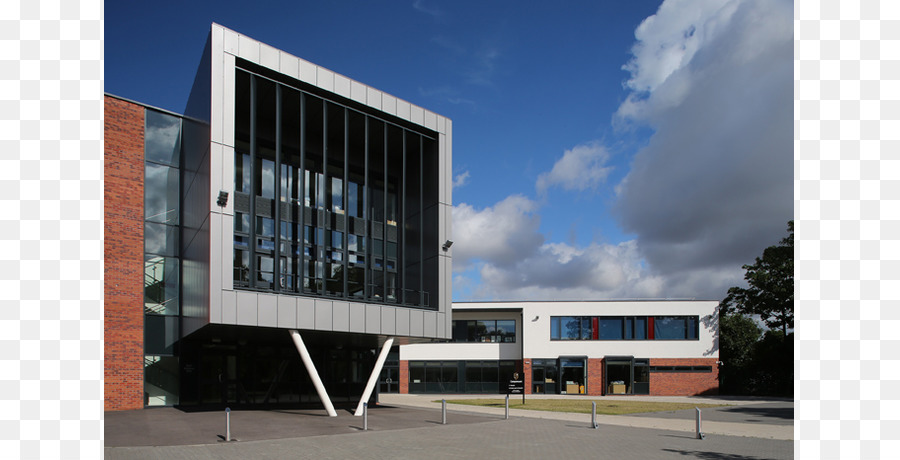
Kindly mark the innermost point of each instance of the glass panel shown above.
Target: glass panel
(586, 328)
(571, 327)
(160, 239)
(640, 328)
(162, 138)
(161, 380)
(669, 328)
(161, 285)
(160, 334)
(242, 172)
(506, 330)
(161, 194)
(554, 327)
(610, 328)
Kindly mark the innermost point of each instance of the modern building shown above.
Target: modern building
(661, 347)
(263, 246)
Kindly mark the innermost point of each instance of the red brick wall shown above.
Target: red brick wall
(526, 370)
(594, 376)
(123, 254)
(684, 383)
(404, 377)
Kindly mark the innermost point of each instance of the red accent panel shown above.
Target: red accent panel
(650, 327)
(595, 328)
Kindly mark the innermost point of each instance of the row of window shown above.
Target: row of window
(624, 327)
(481, 330)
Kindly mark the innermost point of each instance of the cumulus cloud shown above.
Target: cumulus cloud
(581, 168)
(501, 234)
(503, 246)
(714, 185)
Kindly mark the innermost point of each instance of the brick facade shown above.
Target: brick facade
(123, 254)
(526, 370)
(595, 377)
(404, 377)
(684, 383)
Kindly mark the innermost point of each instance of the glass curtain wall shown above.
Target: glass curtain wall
(331, 201)
(162, 304)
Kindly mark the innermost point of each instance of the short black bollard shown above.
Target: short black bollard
(227, 424)
(443, 412)
(365, 416)
(700, 434)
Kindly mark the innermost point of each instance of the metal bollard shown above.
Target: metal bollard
(365, 416)
(507, 407)
(227, 424)
(700, 434)
(443, 412)
(594, 424)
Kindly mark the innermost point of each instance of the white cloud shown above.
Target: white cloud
(461, 179)
(714, 185)
(503, 246)
(581, 168)
(501, 234)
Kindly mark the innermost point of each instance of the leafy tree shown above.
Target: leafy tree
(770, 291)
(737, 336)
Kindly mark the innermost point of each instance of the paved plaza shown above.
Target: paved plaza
(408, 427)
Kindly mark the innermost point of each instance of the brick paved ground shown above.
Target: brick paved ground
(412, 433)
(522, 438)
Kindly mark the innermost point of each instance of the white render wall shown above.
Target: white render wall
(228, 306)
(535, 323)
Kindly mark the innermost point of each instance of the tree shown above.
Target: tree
(770, 291)
(737, 336)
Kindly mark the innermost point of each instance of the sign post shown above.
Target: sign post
(516, 387)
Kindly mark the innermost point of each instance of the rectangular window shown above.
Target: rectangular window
(675, 327)
(611, 328)
(485, 331)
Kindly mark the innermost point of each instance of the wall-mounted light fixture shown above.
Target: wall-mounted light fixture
(223, 198)
(447, 245)
(536, 318)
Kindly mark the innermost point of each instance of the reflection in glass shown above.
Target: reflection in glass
(160, 380)
(162, 138)
(160, 285)
(161, 194)
(160, 239)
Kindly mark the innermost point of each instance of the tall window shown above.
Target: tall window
(332, 200)
(162, 304)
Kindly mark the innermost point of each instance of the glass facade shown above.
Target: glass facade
(331, 200)
(624, 328)
(460, 376)
(162, 264)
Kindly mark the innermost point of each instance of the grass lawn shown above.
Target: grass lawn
(583, 406)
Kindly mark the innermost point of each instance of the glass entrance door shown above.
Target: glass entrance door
(389, 381)
(572, 375)
(626, 375)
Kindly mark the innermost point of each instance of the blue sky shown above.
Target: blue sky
(601, 150)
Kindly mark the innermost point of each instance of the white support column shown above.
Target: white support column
(313, 375)
(373, 379)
